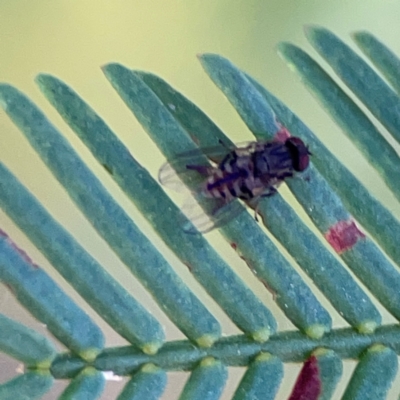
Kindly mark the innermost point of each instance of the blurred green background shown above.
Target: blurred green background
(73, 39)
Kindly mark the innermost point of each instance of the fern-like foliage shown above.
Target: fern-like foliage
(332, 197)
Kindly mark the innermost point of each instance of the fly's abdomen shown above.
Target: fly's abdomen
(222, 185)
(239, 183)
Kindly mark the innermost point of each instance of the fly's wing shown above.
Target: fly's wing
(218, 213)
(173, 174)
(191, 167)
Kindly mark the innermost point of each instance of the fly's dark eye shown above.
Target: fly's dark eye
(299, 153)
(302, 162)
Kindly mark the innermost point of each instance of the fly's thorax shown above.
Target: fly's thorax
(244, 163)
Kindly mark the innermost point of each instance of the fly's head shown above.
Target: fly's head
(299, 153)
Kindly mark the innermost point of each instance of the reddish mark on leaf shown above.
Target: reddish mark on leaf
(194, 138)
(2, 233)
(343, 235)
(24, 255)
(17, 249)
(264, 282)
(234, 246)
(282, 135)
(108, 169)
(269, 288)
(189, 267)
(10, 288)
(308, 383)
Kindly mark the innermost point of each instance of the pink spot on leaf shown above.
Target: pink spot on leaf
(194, 138)
(269, 288)
(10, 288)
(189, 267)
(2, 233)
(21, 252)
(282, 135)
(308, 383)
(343, 235)
(264, 282)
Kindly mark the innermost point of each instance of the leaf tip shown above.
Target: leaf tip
(209, 362)
(208, 59)
(207, 340)
(41, 79)
(109, 69)
(151, 348)
(311, 31)
(378, 348)
(264, 357)
(90, 354)
(4, 90)
(261, 335)
(45, 365)
(204, 58)
(367, 327)
(288, 52)
(363, 38)
(282, 48)
(316, 331)
(150, 368)
(46, 81)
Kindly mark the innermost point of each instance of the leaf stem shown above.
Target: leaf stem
(291, 346)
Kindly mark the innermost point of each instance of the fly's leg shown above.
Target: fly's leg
(223, 144)
(270, 192)
(305, 177)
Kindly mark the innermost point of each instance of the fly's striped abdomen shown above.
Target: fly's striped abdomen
(222, 185)
(233, 179)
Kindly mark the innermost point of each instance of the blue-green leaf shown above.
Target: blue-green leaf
(29, 386)
(383, 58)
(330, 371)
(368, 211)
(89, 384)
(370, 88)
(261, 380)
(354, 123)
(25, 344)
(206, 382)
(332, 279)
(148, 383)
(319, 201)
(374, 374)
(235, 298)
(93, 283)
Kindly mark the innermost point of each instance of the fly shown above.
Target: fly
(248, 173)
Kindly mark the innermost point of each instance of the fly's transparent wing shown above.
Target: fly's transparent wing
(216, 212)
(191, 167)
(176, 173)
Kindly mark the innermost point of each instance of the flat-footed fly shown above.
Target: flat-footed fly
(247, 172)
